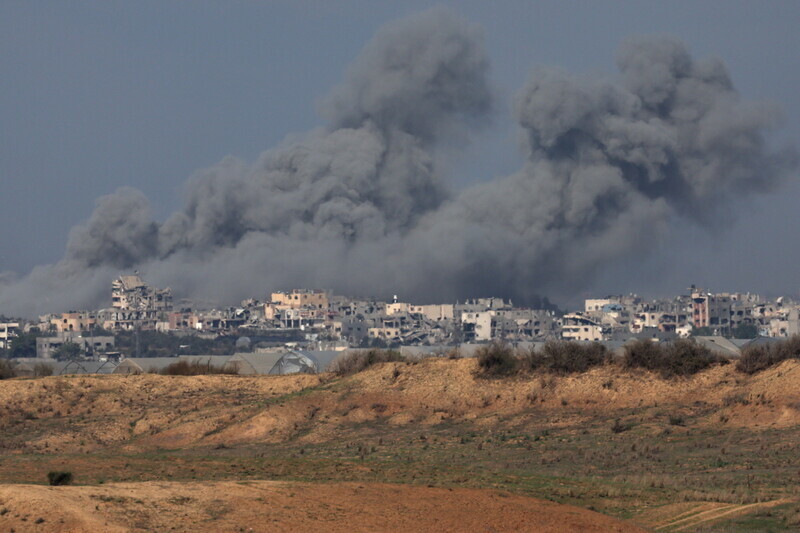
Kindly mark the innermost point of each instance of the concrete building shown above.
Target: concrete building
(130, 293)
(301, 299)
(91, 346)
(597, 304)
(711, 310)
(74, 321)
(577, 327)
(134, 304)
(477, 326)
(8, 330)
(183, 320)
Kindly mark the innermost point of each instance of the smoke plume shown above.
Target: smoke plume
(358, 206)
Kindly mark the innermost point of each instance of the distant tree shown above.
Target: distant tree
(702, 332)
(745, 331)
(365, 342)
(6, 370)
(24, 345)
(378, 342)
(158, 344)
(69, 351)
(42, 369)
(97, 331)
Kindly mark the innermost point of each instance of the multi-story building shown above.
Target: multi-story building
(134, 304)
(74, 321)
(91, 346)
(130, 293)
(301, 299)
(578, 327)
(477, 325)
(8, 330)
(711, 310)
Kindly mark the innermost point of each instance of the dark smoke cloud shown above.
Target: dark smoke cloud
(358, 206)
(119, 233)
(608, 165)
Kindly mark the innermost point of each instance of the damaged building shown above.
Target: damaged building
(135, 304)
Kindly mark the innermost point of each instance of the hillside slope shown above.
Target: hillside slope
(624, 442)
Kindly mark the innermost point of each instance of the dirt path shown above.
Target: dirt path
(281, 506)
(703, 513)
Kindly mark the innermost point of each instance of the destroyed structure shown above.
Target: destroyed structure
(330, 324)
(134, 304)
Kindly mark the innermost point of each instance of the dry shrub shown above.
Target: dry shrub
(355, 362)
(681, 357)
(497, 359)
(42, 369)
(565, 357)
(196, 368)
(453, 353)
(56, 478)
(757, 358)
(6, 370)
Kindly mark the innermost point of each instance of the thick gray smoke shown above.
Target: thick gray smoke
(359, 207)
(608, 165)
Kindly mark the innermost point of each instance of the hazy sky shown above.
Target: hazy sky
(97, 95)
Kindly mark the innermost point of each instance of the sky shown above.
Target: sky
(99, 95)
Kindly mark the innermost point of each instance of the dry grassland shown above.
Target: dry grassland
(716, 450)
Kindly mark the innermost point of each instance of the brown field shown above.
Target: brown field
(287, 506)
(715, 452)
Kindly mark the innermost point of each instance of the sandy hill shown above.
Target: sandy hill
(151, 411)
(671, 454)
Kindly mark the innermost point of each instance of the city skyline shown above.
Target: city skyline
(748, 242)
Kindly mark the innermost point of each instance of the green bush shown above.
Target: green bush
(684, 357)
(196, 368)
(6, 370)
(745, 331)
(56, 478)
(42, 369)
(159, 344)
(355, 362)
(676, 420)
(497, 359)
(565, 357)
(619, 427)
(757, 358)
(681, 357)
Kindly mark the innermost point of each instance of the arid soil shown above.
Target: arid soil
(689, 454)
(150, 411)
(285, 506)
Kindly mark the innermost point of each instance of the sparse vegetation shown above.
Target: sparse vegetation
(24, 344)
(42, 370)
(158, 344)
(6, 370)
(355, 362)
(620, 442)
(676, 420)
(196, 368)
(620, 427)
(744, 331)
(681, 357)
(69, 351)
(564, 357)
(761, 357)
(56, 478)
(497, 359)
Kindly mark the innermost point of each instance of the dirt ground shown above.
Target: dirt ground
(283, 506)
(683, 454)
(155, 412)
